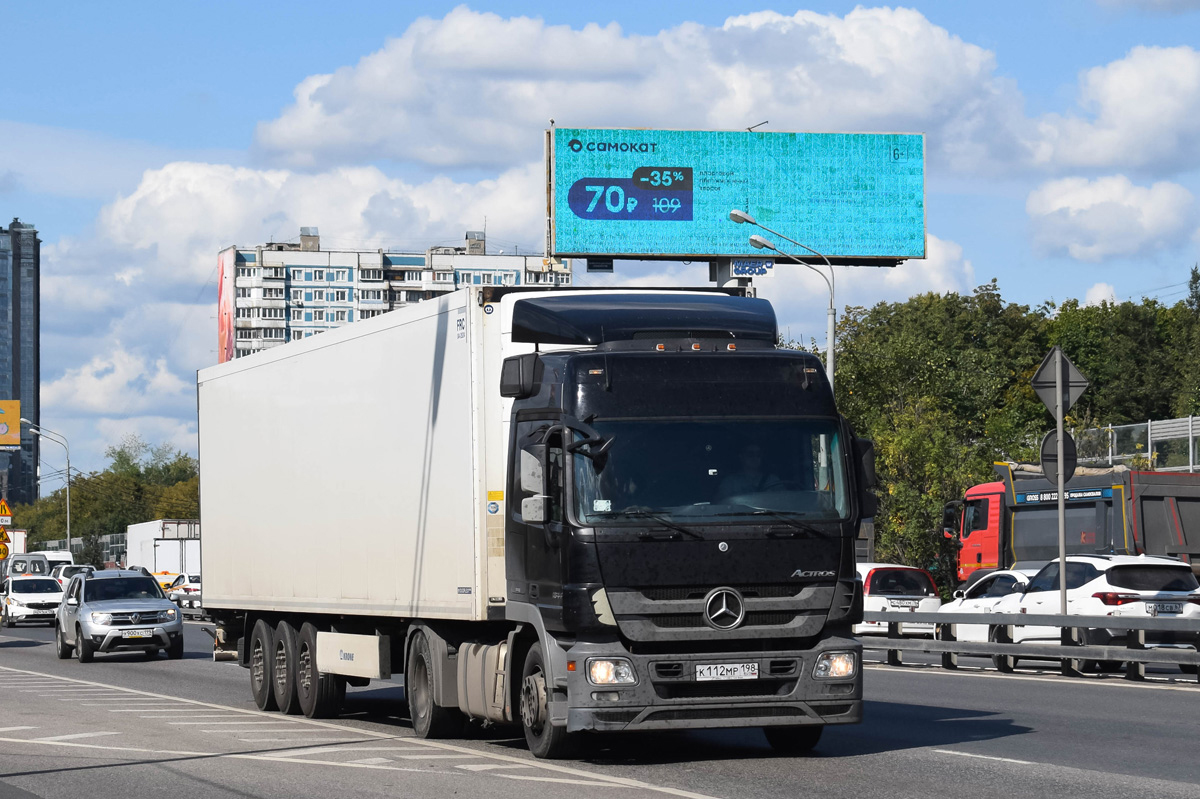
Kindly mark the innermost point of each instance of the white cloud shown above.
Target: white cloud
(475, 89)
(1142, 111)
(1100, 293)
(1092, 220)
(121, 382)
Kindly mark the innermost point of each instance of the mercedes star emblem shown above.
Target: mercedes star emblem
(724, 609)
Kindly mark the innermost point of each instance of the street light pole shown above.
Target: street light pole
(760, 243)
(57, 438)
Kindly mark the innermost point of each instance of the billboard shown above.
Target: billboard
(668, 193)
(226, 272)
(10, 425)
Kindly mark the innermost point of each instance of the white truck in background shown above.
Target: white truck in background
(544, 516)
(170, 546)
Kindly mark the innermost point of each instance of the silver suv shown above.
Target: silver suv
(109, 611)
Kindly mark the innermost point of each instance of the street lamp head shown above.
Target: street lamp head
(741, 217)
(26, 421)
(759, 243)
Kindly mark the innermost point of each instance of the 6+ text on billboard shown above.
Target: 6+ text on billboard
(663, 193)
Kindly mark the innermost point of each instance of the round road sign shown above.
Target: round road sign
(3, 551)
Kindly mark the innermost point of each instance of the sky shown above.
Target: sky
(1062, 150)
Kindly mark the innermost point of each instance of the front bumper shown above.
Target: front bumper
(668, 696)
(113, 639)
(19, 614)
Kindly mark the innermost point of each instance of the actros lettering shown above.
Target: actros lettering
(804, 573)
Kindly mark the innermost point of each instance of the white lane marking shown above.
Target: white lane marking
(987, 757)
(433, 757)
(371, 761)
(14, 729)
(211, 723)
(158, 710)
(326, 750)
(564, 780)
(488, 766)
(382, 736)
(73, 736)
(282, 740)
(1057, 679)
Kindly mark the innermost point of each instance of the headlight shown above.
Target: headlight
(611, 672)
(169, 615)
(103, 619)
(16, 602)
(835, 666)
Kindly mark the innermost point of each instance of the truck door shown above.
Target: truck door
(535, 549)
(980, 535)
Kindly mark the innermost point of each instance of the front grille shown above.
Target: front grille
(616, 716)
(682, 713)
(42, 605)
(149, 617)
(719, 689)
(764, 590)
(761, 618)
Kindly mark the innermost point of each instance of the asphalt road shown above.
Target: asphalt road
(126, 727)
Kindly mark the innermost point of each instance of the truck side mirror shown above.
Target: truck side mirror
(533, 479)
(521, 376)
(533, 510)
(864, 453)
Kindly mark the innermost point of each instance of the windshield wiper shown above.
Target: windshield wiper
(656, 516)
(795, 524)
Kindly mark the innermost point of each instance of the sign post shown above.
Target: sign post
(1059, 384)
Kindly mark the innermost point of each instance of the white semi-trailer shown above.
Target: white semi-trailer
(568, 510)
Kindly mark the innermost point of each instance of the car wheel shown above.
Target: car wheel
(61, 647)
(262, 647)
(175, 650)
(794, 740)
(320, 695)
(284, 681)
(543, 738)
(429, 719)
(84, 648)
(999, 661)
(5, 621)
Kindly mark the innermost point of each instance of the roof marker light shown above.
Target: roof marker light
(660, 347)
(695, 347)
(731, 347)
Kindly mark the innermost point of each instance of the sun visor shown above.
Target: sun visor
(592, 319)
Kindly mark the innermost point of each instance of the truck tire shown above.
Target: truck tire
(794, 740)
(283, 677)
(429, 719)
(262, 647)
(61, 647)
(544, 739)
(84, 648)
(175, 650)
(320, 695)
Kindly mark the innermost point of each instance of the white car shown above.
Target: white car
(891, 586)
(1111, 585)
(982, 597)
(65, 571)
(29, 600)
(185, 591)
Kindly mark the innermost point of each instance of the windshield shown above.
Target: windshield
(900, 582)
(122, 588)
(713, 471)
(1153, 578)
(36, 586)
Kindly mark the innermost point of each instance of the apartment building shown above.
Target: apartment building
(278, 292)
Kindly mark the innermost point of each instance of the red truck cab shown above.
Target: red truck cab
(979, 531)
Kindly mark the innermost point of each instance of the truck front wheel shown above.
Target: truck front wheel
(544, 739)
(429, 719)
(262, 649)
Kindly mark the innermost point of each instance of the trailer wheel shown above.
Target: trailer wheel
(794, 740)
(283, 682)
(320, 695)
(262, 645)
(429, 719)
(544, 739)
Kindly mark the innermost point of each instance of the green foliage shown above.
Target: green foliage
(941, 383)
(141, 483)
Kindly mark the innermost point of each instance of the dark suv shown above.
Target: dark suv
(109, 611)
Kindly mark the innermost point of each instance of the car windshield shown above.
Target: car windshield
(699, 471)
(36, 586)
(71, 571)
(1153, 578)
(900, 582)
(121, 588)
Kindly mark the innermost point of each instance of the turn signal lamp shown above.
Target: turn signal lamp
(660, 347)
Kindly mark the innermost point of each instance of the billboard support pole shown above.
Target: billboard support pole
(1062, 483)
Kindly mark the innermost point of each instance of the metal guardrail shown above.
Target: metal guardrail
(1070, 650)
